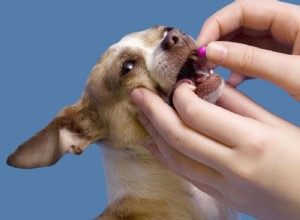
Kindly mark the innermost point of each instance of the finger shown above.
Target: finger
(260, 16)
(206, 186)
(201, 176)
(265, 42)
(179, 163)
(208, 190)
(235, 79)
(183, 166)
(280, 69)
(220, 124)
(184, 139)
(235, 101)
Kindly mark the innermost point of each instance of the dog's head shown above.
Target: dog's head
(156, 59)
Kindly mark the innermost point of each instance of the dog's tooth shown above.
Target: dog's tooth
(193, 57)
(202, 73)
(211, 72)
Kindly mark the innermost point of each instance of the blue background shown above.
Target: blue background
(47, 49)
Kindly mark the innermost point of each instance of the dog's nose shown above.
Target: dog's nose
(174, 37)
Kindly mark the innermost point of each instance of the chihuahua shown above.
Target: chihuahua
(138, 185)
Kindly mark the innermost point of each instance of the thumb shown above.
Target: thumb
(280, 69)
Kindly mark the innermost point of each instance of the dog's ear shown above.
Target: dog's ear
(73, 130)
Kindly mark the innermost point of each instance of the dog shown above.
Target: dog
(138, 186)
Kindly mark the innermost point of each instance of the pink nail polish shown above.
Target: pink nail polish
(202, 51)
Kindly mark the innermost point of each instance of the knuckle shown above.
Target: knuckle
(242, 169)
(253, 150)
(256, 143)
(246, 59)
(177, 137)
(190, 111)
(244, 172)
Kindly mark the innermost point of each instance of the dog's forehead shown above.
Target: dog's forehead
(143, 42)
(143, 39)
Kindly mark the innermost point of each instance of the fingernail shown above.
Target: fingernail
(187, 84)
(136, 96)
(216, 52)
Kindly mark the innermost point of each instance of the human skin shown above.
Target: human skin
(272, 29)
(236, 151)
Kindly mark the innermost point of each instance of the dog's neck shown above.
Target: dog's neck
(137, 174)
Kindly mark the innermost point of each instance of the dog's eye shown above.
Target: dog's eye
(127, 67)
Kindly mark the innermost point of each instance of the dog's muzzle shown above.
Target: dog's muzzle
(193, 70)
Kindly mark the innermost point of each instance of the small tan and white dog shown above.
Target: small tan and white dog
(139, 187)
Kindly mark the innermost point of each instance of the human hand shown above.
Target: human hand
(240, 154)
(248, 158)
(268, 36)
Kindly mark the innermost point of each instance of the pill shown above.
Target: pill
(202, 51)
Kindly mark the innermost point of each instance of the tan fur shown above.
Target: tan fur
(136, 208)
(139, 187)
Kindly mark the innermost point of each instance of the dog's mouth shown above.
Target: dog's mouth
(193, 72)
(196, 73)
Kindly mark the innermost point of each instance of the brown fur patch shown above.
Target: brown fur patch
(130, 208)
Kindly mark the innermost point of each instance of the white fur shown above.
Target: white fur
(133, 42)
(131, 172)
(138, 176)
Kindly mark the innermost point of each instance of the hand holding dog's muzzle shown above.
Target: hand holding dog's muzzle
(226, 153)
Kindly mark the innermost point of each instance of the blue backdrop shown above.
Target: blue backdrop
(47, 49)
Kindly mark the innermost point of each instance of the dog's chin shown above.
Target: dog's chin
(208, 85)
